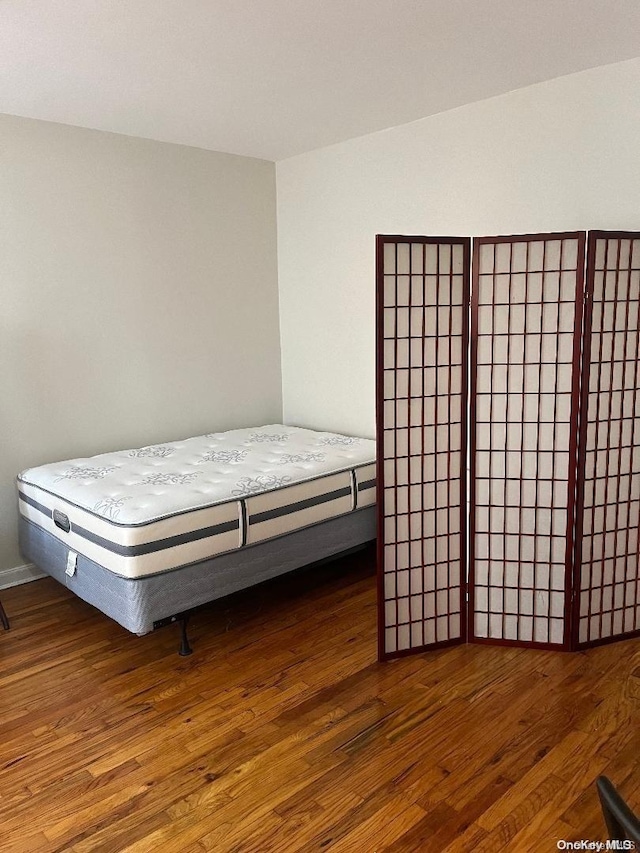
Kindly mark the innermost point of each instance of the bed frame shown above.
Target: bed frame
(144, 604)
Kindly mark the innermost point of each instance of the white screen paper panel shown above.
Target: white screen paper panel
(526, 320)
(422, 308)
(608, 605)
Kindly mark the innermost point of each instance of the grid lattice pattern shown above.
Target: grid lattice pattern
(423, 298)
(607, 554)
(526, 319)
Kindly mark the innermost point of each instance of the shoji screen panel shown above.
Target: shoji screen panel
(422, 321)
(525, 354)
(608, 602)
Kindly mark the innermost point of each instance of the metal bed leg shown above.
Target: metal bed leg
(185, 648)
(4, 618)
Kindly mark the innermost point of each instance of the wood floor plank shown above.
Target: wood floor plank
(282, 732)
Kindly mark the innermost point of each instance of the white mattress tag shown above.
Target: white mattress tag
(72, 562)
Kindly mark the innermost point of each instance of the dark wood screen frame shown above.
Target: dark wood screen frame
(593, 238)
(579, 236)
(381, 241)
(579, 424)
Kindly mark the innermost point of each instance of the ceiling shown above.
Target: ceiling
(274, 78)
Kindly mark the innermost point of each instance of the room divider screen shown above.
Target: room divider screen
(525, 384)
(606, 576)
(554, 456)
(423, 334)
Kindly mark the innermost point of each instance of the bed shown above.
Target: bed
(147, 535)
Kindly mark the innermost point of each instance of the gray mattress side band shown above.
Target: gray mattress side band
(137, 603)
(201, 533)
(137, 550)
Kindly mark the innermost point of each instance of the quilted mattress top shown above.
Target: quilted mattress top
(137, 486)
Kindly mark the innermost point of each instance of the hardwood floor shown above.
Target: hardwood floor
(282, 733)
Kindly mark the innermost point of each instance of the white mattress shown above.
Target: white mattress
(143, 511)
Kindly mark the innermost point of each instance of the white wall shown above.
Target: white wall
(139, 297)
(559, 155)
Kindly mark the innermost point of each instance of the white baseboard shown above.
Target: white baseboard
(18, 575)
